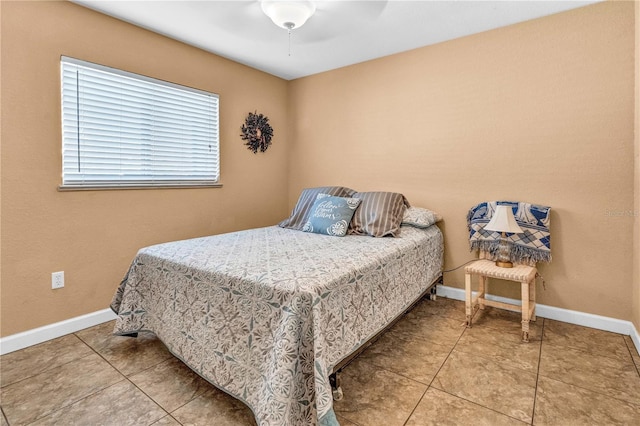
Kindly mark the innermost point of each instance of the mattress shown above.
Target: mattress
(265, 314)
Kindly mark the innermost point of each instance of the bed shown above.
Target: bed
(268, 314)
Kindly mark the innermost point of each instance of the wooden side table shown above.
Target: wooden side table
(523, 274)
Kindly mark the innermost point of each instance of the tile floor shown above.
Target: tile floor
(427, 370)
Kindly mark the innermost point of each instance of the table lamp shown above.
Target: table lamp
(503, 221)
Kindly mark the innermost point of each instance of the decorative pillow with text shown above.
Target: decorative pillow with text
(300, 214)
(331, 215)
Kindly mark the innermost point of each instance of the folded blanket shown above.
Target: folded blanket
(529, 247)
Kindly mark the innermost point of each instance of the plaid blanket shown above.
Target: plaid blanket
(533, 245)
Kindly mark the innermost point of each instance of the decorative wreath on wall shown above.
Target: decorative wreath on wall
(257, 132)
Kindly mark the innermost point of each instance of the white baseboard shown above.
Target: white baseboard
(635, 336)
(565, 315)
(42, 334)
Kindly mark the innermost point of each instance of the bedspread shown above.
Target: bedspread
(266, 314)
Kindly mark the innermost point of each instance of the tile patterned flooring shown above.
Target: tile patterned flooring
(429, 369)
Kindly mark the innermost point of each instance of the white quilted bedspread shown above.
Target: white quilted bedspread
(265, 314)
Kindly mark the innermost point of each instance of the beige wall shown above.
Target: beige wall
(540, 111)
(93, 235)
(636, 229)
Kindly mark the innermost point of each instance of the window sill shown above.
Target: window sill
(69, 188)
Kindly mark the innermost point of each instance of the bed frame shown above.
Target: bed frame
(334, 377)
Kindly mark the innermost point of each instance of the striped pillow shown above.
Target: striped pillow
(302, 210)
(379, 214)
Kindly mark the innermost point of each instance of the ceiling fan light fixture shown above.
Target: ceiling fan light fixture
(288, 14)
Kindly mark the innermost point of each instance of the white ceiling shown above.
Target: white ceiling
(340, 33)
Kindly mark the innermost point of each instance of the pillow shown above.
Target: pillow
(300, 213)
(420, 218)
(379, 215)
(331, 215)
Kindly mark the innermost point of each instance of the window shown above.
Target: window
(123, 130)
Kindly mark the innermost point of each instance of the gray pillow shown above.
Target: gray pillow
(419, 217)
(300, 213)
(331, 215)
(379, 214)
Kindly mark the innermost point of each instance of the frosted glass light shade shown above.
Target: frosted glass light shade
(503, 221)
(288, 14)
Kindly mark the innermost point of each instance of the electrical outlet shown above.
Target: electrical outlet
(57, 280)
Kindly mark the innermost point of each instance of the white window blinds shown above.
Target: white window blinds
(125, 130)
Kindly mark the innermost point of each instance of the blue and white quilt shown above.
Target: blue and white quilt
(530, 247)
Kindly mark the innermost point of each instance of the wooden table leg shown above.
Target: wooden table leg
(532, 298)
(525, 311)
(482, 290)
(467, 298)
